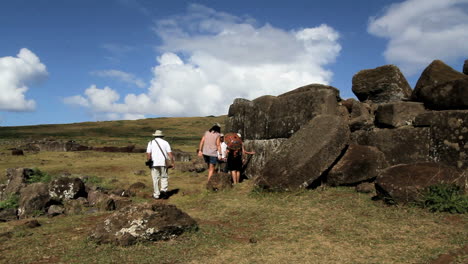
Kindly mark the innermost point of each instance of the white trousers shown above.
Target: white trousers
(159, 173)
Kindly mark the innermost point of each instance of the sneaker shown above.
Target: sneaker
(163, 195)
(155, 197)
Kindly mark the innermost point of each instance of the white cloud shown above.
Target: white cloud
(209, 58)
(420, 31)
(121, 76)
(16, 73)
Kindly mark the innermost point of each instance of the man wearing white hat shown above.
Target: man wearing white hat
(159, 151)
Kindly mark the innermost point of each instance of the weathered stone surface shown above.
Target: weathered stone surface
(8, 214)
(55, 210)
(101, 201)
(404, 183)
(16, 180)
(365, 187)
(64, 188)
(360, 114)
(306, 155)
(435, 74)
(280, 116)
(398, 114)
(264, 149)
(76, 206)
(120, 202)
(219, 181)
(381, 85)
(448, 95)
(359, 163)
(182, 156)
(400, 146)
(449, 134)
(34, 200)
(143, 222)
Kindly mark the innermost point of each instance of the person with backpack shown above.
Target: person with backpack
(210, 148)
(159, 158)
(235, 150)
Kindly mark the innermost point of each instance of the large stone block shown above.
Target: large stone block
(16, 180)
(402, 145)
(404, 183)
(306, 155)
(264, 149)
(449, 95)
(359, 163)
(449, 135)
(34, 200)
(381, 85)
(435, 74)
(281, 116)
(143, 222)
(398, 114)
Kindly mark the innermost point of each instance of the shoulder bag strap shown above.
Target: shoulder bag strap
(160, 149)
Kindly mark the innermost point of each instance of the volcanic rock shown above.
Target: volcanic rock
(404, 183)
(143, 222)
(381, 85)
(306, 155)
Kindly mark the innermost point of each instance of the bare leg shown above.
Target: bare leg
(211, 169)
(235, 176)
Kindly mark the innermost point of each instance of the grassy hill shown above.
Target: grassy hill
(241, 225)
(182, 132)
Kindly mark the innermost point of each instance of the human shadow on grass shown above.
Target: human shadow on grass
(168, 194)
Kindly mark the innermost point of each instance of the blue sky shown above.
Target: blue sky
(75, 61)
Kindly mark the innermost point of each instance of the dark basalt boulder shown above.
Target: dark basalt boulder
(398, 114)
(361, 115)
(65, 188)
(264, 149)
(400, 146)
(404, 183)
(381, 85)
(16, 180)
(306, 155)
(358, 164)
(143, 222)
(34, 200)
(281, 116)
(448, 136)
(449, 95)
(435, 74)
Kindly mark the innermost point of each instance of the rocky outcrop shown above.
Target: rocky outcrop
(381, 85)
(65, 188)
(361, 115)
(435, 74)
(404, 183)
(219, 181)
(281, 116)
(398, 114)
(403, 145)
(358, 164)
(306, 155)
(34, 200)
(143, 222)
(16, 180)
(448, 136)
(264, 149)
(449, 95)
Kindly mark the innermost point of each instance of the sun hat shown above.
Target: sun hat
(158, 133)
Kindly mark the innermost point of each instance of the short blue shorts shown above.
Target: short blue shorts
(210, 159)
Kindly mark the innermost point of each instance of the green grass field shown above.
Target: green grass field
(241, 225)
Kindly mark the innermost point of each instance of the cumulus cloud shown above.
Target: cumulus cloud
(16, 73)
(420, 31)
(208, 58)
(121, 76)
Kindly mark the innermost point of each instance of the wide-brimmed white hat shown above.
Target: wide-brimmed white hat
(158, 133)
